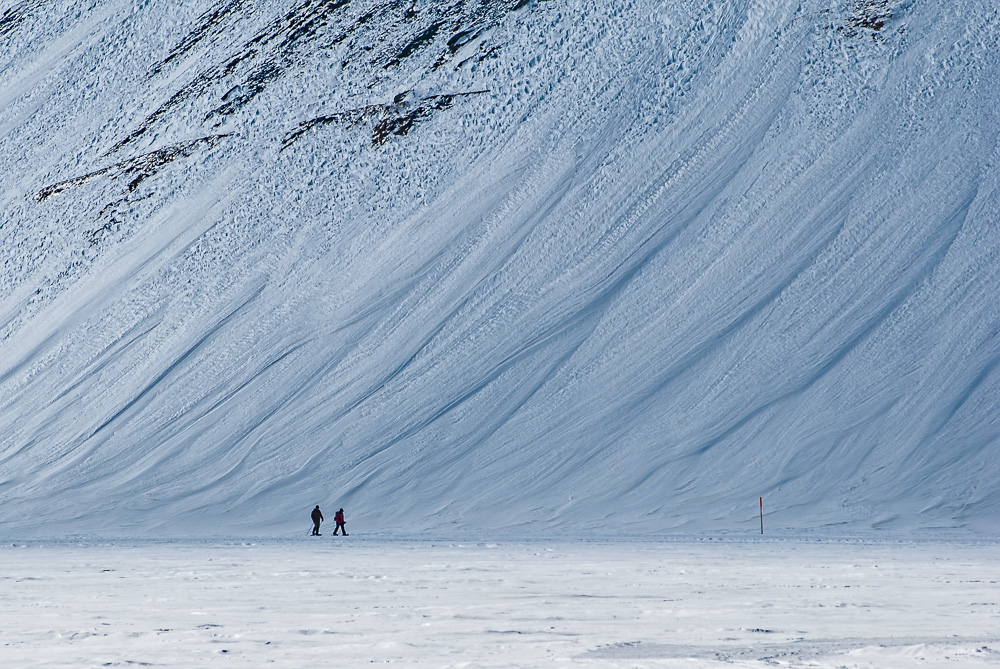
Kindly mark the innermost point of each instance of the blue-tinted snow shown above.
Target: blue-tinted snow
(258, 256)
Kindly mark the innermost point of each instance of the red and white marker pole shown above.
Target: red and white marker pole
(762, 515)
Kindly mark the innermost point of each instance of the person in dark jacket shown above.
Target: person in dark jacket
(339, 519)
(317, 517)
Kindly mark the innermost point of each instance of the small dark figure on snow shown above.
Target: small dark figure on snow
(339, 519)
(317, 517)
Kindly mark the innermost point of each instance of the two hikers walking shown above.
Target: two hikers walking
(317, 518)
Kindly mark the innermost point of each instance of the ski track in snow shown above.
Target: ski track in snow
(329, 600)
(668, 257)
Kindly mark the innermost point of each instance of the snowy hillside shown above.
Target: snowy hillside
(494, 265)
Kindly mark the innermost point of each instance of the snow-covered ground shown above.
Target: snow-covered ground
(531, 269)
(686, 603)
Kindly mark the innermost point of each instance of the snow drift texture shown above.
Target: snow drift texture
(559, 265)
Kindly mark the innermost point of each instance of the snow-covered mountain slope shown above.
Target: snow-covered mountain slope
(478, 265)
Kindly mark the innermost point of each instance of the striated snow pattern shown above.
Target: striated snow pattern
(494, 265)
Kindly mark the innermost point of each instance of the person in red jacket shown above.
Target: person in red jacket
(339, 519)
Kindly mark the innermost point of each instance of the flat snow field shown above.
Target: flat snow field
(332, 601)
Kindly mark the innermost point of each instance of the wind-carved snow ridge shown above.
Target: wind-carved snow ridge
(478, 266)
(397, 118)
(136, 169)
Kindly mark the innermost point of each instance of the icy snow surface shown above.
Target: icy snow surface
(550, 265)
(330, 603)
